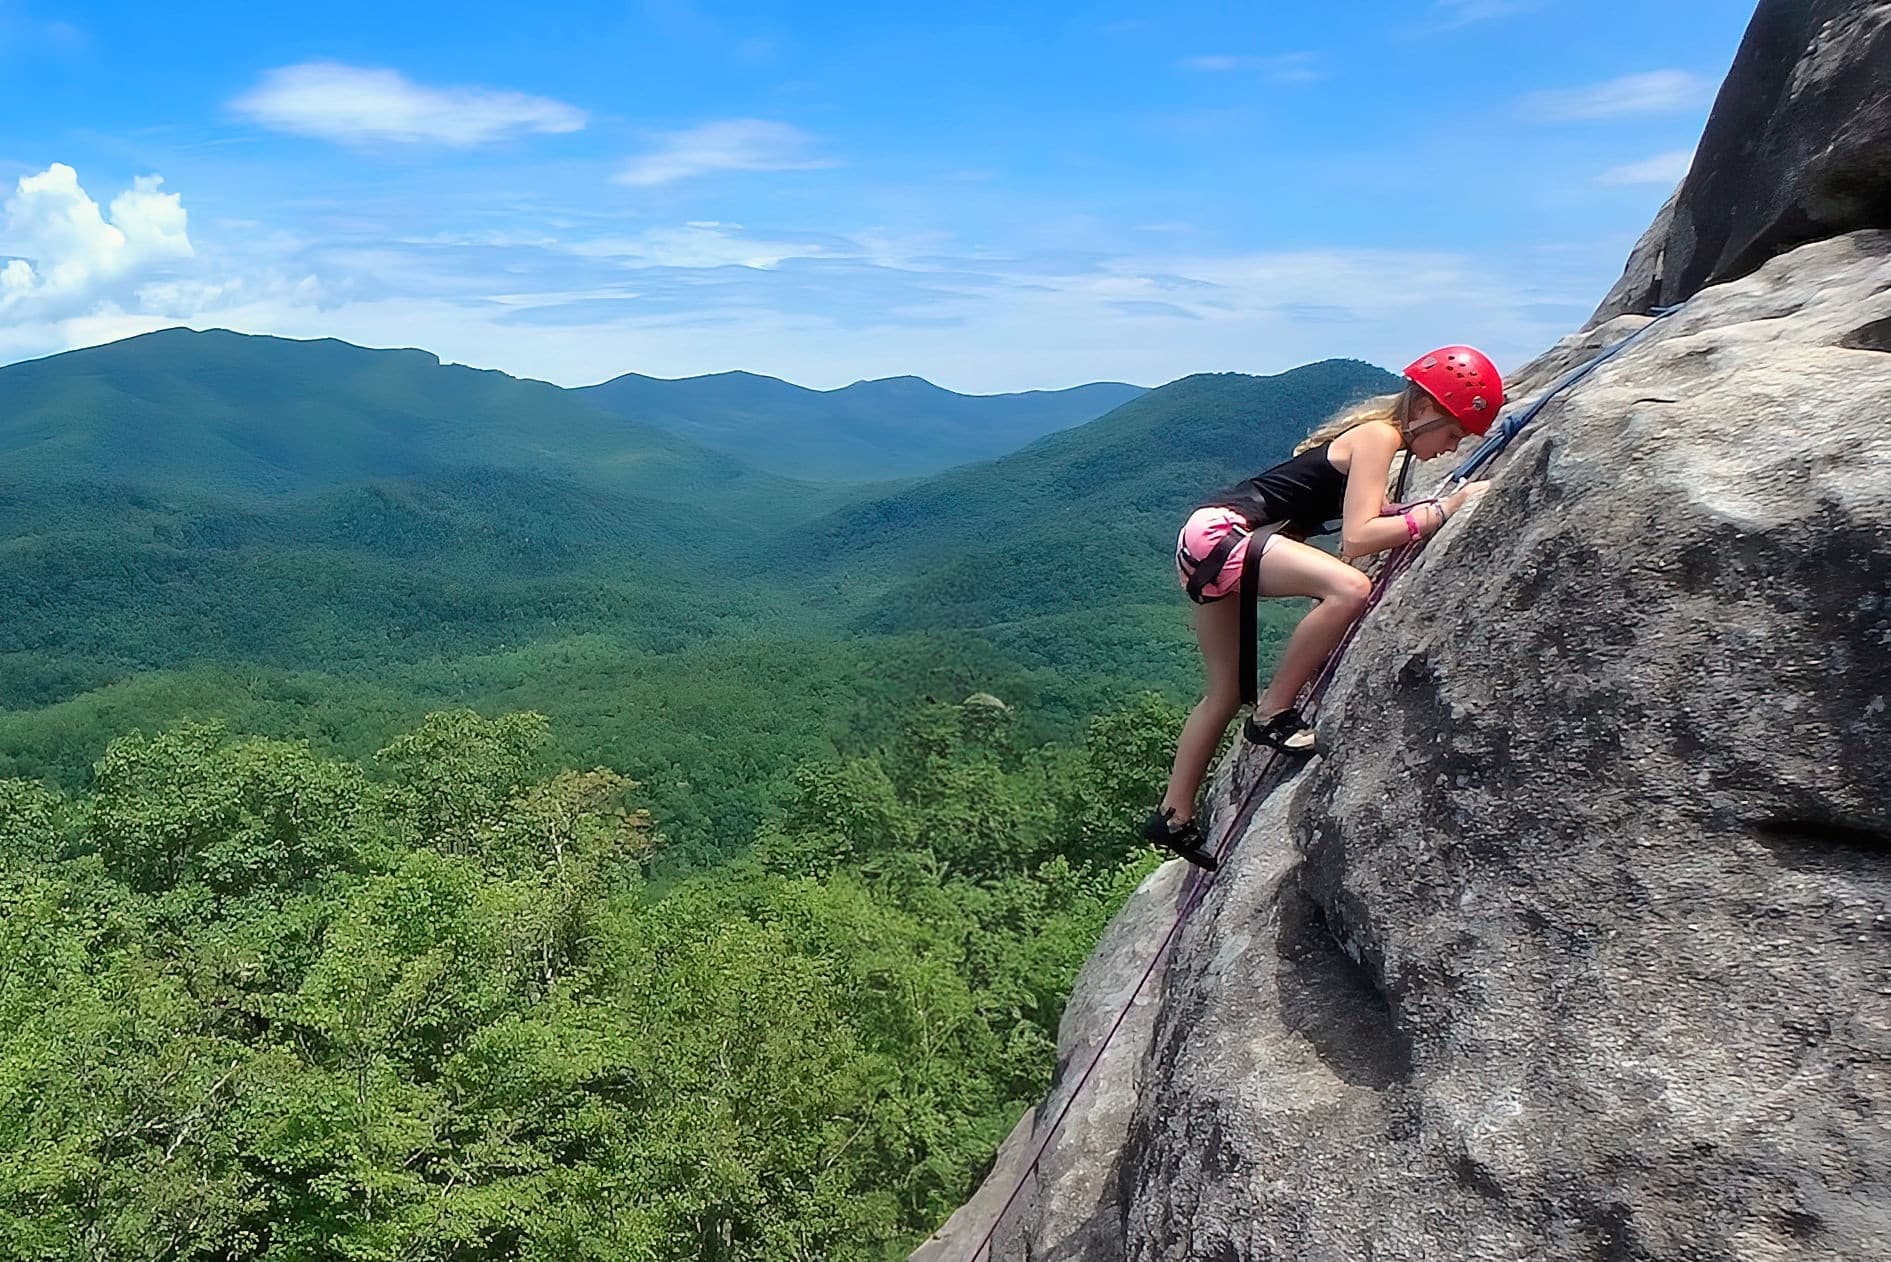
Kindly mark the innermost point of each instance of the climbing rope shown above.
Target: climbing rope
(1397, 562)
(1509, 427)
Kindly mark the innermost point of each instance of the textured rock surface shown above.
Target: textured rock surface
(1069, 1199)
(1794, 151)
(1578, 944)
(1576, 349)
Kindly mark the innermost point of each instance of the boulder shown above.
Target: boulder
(1578, 942)
(1795, 150)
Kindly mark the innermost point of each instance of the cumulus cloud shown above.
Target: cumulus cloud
(359, 105)
(64, 255)
(75, 273)
(736, 144)
(1657, 92)
(1664, 168)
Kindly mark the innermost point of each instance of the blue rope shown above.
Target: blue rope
(1508, 428)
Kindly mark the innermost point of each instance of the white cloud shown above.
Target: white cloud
(829, 308)
(737, 144)
(75, 274)
(1664, 168)
(1657, 92)
(353, 104)
(1019, 325)
(63, 255)
(1464, 12)
(700, 244)
(1283, 68)
(20, 29)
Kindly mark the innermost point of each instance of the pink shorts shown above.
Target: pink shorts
(1203, 530)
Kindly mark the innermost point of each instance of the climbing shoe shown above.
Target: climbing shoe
(1183, 839)
(1287, 732)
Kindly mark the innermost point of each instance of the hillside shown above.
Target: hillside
(1081, 519)
(314, 540)
(274, 566)
(218, 414)
(896, 427)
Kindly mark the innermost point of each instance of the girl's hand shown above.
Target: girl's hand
(1469, 493)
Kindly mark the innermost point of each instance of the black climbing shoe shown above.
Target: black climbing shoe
(1287, 732)
(1183, 839)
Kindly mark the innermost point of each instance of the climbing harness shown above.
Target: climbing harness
(1208, 569)
(1396, 564)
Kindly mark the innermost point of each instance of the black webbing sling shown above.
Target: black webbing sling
(1206, 571)
(1250, 621)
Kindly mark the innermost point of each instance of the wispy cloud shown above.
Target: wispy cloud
(20, 30)
(704, 243)
(1284, 68)
(736, 144)
(1657, 92)
(825, 308)
(1464, 12)
(1664, 168)
(354, 104)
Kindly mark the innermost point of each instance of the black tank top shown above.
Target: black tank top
(1306, 492)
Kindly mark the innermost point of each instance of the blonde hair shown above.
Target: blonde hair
(1396, 408)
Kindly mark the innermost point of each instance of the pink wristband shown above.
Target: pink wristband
(1411, 526)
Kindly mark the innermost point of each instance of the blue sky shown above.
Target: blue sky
(994, 196)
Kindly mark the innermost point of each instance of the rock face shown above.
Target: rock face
(1608, 827)
(1578, 943)
(1794, 151)
(1068, 1200)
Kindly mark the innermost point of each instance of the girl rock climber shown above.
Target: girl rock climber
(1246, 541)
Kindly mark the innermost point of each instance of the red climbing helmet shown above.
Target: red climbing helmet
(1464, 381)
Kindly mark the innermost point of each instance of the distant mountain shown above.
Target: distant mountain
(1081, 519)
(325, 541)
(183, 496)
(259, 418)
(897, 427)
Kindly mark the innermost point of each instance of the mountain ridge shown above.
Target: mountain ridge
(879, 429)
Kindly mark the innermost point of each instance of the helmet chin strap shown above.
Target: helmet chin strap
(1426, 428)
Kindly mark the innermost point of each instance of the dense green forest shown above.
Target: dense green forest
(317, 941)
(327, 543)
(255, 1001)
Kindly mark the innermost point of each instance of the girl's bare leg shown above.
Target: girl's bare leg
(1218, 631)
(1290, 568)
